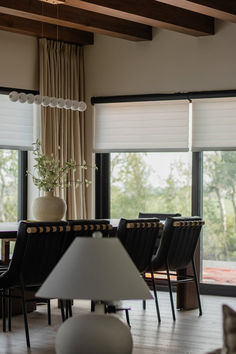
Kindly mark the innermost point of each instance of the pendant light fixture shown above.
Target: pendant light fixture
(46, 101)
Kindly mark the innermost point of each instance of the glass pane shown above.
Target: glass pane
(219, 212)
(150, 182)
(8, 185)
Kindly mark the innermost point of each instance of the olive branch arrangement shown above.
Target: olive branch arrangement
(49, 173)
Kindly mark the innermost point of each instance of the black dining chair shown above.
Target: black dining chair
(176, 251)
(38, 248)
(162, 217)
(139, 237)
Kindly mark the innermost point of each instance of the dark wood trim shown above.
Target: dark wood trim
(37, 29)
(222, 9)
(163, 97)
(152, 13)
(102, 189)
(75, 18)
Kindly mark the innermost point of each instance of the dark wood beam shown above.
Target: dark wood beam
(67, 16)
(152, 13)
(37, 29)
(222, 9)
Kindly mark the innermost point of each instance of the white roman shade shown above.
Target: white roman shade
(141, 126)
(16, 124)
(214, 124)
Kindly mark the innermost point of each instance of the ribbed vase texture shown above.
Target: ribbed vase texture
(49, 208)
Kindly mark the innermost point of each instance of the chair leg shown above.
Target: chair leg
(70, 308)
(197, 287)
(49, 312)
(170, 291)
(62, 310)
(4, 310)
(127, 317)
(67, 309)
(155, 296)
(144, 304)
(9, 309)
(92, 306)
(25, 315)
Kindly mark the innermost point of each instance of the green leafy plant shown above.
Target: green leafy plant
(49, 173)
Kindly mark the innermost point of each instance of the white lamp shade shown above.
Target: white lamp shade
(96, 269)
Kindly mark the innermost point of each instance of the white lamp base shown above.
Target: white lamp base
(94, 334)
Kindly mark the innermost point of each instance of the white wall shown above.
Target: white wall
(19, 69)
(18, 61)
(171, 62)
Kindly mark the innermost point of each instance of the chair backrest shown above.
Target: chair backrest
(138, 237)
(38, 248)
(178, 242)
(161, 216)
(85, 228)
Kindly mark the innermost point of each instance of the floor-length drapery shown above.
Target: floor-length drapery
(62, 130)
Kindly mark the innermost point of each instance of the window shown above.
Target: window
(16, 136)
(172, 153)
(150, 182)
(219, 210)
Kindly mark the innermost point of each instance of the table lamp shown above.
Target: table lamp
(98, 269)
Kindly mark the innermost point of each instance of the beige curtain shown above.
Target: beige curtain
(62, 75)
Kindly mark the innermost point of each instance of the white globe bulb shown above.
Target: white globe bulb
(13, 96)
(38, 99)
(45, 101)
(82, 106)
(75, 105)
(22, 97)
(68, 104)
(30, 98)
(60, 103)
(53, 102)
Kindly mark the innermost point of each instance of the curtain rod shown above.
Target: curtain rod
(163, 96)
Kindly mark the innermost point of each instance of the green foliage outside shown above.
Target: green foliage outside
(8, 185)
(219, 201)
(132, 192)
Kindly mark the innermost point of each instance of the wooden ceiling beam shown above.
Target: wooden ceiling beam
(38, 29)
(152, 13)
(221, 9)
(76, 18)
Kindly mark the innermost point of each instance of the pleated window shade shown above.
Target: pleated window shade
(214, 124)
(141, 126)
(16, 124)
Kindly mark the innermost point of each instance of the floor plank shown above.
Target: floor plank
(190, 334)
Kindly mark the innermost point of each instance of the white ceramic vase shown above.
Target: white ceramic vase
(48, 208)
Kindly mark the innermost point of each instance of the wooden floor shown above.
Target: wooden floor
(190, 334)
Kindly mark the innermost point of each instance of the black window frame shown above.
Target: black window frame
(102, 178)
(22, 166)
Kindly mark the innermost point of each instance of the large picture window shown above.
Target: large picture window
(173, 154)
